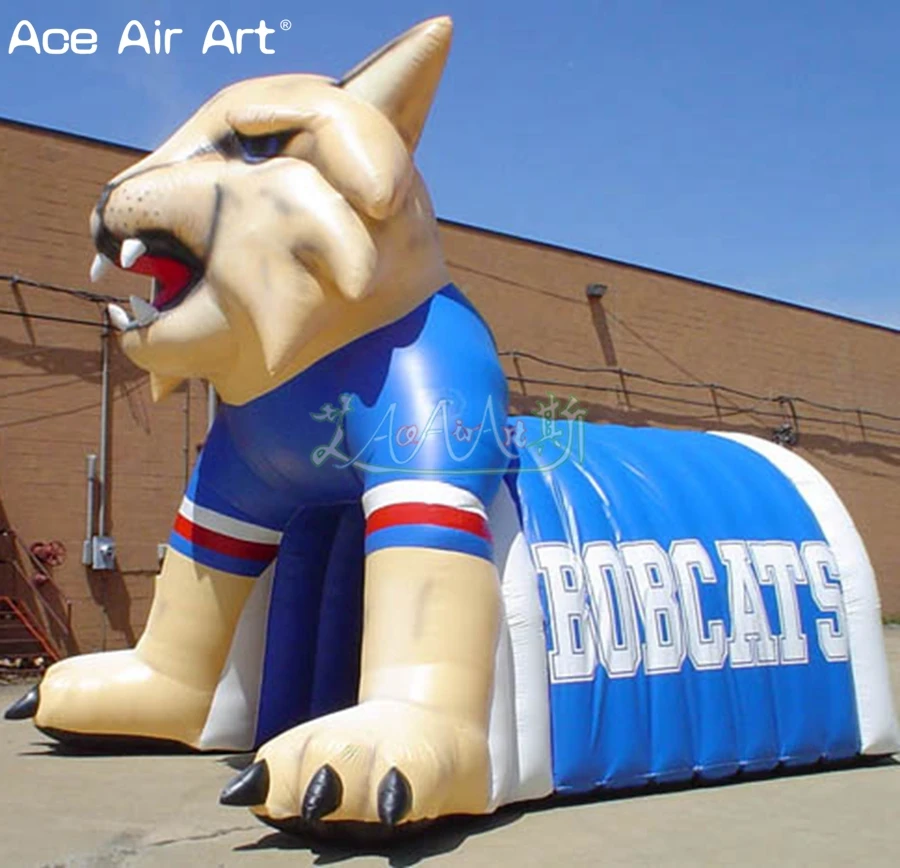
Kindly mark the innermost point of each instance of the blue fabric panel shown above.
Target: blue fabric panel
(429, 536)
(294, 620)
(216, 560)
(223, 481)
(313, 638)
(637, 485)
(336, 675)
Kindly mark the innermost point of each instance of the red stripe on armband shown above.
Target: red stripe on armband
(223, 544)
(428, 513)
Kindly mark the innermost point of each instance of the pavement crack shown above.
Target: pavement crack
(205, 837)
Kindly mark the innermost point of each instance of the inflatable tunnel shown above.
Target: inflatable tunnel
(678, 606)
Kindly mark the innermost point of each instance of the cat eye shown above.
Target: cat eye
(255, 149)
(258, 148)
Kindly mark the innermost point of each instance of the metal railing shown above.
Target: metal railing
(64, 624)
(26, 619)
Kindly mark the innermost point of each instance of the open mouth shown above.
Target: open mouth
(157, 254)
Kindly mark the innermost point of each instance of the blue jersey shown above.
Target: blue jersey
(409, 419)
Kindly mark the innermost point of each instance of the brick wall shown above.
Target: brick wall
(50, 393)
(665, 330)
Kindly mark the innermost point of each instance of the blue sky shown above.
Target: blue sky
(752, 144)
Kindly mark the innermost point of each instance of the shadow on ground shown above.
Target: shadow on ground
(448, 834)
(442, 836)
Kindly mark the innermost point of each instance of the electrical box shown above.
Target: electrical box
(104, 553)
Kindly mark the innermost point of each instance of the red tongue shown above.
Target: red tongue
(171, 276)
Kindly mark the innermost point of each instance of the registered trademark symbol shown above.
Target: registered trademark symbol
(285, 24)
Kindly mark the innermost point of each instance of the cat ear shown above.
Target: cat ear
(401, 78)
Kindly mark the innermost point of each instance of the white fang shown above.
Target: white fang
(144, 312)
(118, 317)
(132, 251)
(99, 267)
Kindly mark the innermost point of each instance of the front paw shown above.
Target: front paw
(114, 701)
(383, 761)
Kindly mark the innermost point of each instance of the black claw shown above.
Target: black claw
(323, 795)
(394, 797)
(249, 788)
(25, 707)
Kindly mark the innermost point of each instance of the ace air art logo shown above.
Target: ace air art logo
(154, 39)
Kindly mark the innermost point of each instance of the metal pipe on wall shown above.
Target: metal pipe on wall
(104, 425)
(87, 555)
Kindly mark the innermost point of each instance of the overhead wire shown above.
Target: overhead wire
(686, 384)
(719, 413)
(49, 317)
(15, 280)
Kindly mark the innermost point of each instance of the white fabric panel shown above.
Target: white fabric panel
(231, 724)
(420, 491)
(224, 524)
(502, 736)
(532, 682)
(879, 732)
(521, 759)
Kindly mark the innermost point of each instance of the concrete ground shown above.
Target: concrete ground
(59, 810)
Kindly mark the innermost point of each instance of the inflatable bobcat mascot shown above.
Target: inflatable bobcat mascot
(414, 605)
